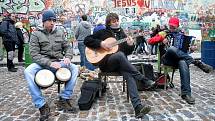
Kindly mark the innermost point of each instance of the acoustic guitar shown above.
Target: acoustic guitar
(96, 55)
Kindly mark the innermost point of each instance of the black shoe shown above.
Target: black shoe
(12, 69)
(148, 84)
(189, 99)
(65, 106)
(141, 110)
(204, 67)
(44, 112)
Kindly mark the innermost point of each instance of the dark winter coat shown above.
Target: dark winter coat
(8, 30)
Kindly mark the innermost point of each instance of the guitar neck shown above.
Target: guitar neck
(120, 41)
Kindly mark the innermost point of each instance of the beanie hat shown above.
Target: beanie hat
(48, 15)
(174, 22)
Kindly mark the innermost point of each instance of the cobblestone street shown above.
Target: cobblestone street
(16, 104)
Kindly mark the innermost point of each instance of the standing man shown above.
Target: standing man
(83, 30)
(9, 37)
(118, 62)
(50, 50)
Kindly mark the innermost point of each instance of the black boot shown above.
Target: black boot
(141, 110)
(65, 106)
(204, 67)
(12, 69)
(11, 66)
(44, 112)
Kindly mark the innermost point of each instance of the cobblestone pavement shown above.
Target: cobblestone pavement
(15, 101)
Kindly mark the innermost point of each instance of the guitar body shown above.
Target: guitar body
(96, 55)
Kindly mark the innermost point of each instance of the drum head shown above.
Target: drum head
(63, 74)
(45, 78)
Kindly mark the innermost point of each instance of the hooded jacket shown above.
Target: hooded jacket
(8, 30)
(83, 30)
(46, 47)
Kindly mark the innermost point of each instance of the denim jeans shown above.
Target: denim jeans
(35, 91)
(182, 61)
(84, 61)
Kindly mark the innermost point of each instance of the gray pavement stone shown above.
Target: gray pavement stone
(16, 105)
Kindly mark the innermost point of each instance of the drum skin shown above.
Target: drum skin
(44, 78)
(63, 74)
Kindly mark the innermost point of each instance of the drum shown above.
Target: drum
(63, 74)
(44, 78)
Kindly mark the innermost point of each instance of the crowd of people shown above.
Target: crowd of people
(50, 50)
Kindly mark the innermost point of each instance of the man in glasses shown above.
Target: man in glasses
(177, 55)
(50, 50)
(10, 38)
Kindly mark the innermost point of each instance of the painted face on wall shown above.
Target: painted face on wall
(49, 24)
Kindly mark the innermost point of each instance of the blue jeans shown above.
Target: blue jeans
(181, 60)
(35, 90)
(84, 61)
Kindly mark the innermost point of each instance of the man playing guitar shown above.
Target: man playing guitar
(118, 62)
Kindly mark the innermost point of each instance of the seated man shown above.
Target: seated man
(118, 62)
(50, 50)
(177, 55)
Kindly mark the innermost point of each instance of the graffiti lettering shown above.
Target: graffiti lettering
(124, 3)
(21, 6)
(36, 5)
(167, 4)
(143, 3)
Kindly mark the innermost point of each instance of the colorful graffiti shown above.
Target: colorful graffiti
(196, 13)
(21, 6)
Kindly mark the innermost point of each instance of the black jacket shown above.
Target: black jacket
(9, 30)
(20, 36)
(94, 41)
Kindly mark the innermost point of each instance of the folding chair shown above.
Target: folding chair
(104, 76)
(166, 69)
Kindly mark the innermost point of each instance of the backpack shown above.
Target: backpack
(89, 92)
(159, 79)
(148, 71)
(1, 33)
(0, 30)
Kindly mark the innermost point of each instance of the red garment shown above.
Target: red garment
(156, 39)
(174, 21)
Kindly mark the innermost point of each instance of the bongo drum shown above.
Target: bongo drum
(44, 78)
(63, 74)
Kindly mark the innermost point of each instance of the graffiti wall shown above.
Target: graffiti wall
(133, 13)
